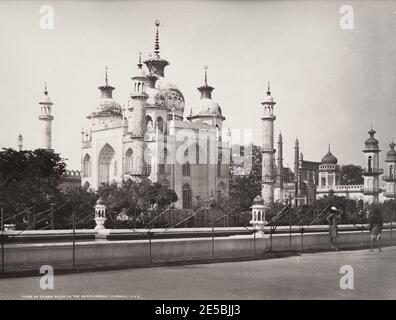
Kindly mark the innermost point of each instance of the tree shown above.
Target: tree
(29, 179)
(246, 185)
(351, 174)
(138, 200)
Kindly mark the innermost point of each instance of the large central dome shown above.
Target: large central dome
(174, 98)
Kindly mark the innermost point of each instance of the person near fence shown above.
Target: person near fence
(332, 219)
(376, 225)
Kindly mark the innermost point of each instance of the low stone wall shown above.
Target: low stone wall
(136, 253)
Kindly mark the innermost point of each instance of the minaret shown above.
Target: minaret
(137, 121)
(267, 179)
(20, 142)
(390, 177)
(371, 173)
(46, 118)
(280, 168)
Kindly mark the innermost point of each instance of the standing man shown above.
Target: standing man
(333, 224)
(376, 225)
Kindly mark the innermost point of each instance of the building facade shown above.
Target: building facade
(151, 139)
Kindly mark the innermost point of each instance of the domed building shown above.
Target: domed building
(329, 170)
(152, 139)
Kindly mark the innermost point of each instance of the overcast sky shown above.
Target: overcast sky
(329, 83)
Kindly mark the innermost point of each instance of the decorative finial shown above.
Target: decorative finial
(45, 88)
(206, 75)
(329, 147)
(156, 45)
(107, 82)
(268, 88)
(140, 61)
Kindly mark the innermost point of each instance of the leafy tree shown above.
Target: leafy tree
(351, 174)
(245, 185)
(141, 201)
(29, 179)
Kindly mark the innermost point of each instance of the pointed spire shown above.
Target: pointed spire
(45, 88)
(329, 147)
(156, 45)
(140, 65)
(206, 90)
(268, 89)
(106, 76)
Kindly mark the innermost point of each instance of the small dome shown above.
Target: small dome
(329, 158)
(45, 99)
(100, 201)
(371, 142)
(206, 107)
(391, 154)
(268, 99)
(258, 200)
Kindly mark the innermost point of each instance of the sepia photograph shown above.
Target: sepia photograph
(214, 152)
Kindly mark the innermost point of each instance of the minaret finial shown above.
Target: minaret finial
(140, 61)
(206, 75)
(106, 77)
(329, 147)
(268, 88)
(45, 88)
(156, 45)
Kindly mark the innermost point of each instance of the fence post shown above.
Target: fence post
(2, 241)
(254, 231)
(74, 237)
(290, 231)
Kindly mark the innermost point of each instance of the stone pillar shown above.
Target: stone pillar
(100, 214)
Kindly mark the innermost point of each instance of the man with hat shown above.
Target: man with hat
(332, 220)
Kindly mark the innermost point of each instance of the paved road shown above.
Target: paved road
(310, 276)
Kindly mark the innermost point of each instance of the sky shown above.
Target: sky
(329, 83)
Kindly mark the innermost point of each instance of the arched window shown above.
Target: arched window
(128, 161)
(105, 157)
(160, 124)
(115, 168)
(323, 181)
(87, 166)
(369, 164)
(149, 123)
(391, 171)
(187, 196)
(186, 169)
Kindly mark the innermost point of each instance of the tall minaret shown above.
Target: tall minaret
(46, 117)
(20, 142)
(280, 168)
(267, 179)
(371, 173)
(137, 121)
